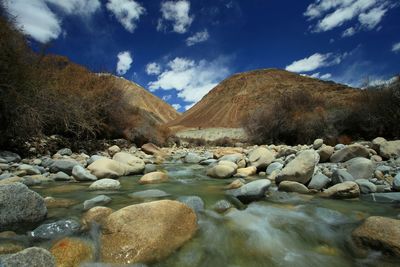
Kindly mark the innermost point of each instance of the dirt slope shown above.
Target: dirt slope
(237, 97)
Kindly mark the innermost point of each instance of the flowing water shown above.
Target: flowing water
(282, 230)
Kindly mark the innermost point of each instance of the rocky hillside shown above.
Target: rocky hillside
(240, 95)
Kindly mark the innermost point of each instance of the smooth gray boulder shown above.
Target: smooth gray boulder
(30, 257)
(194, 202)
(350, 152)
(295, 187)
(56, 229)
(29, 169)
(96, 201)
(105, 184)
(7, 157)
(360, 168)
(319, 181)
(366, 187)
(341, 175)
(19, 204)
(81, 174)
(193, 158)
(150, 193)
(274, 166)
(63, 166)
(261, 157)
(390, 149)
(61, 176)
(396, 182)
(252, 191)
(222, 205)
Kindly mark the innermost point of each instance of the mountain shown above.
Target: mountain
(240, 95)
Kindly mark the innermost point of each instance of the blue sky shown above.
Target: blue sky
(179, 50)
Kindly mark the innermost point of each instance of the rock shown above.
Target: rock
(366, 187)
(61, 176)
(105, 184)
(275, 166)
(221, 171)
(376, 158)
(236, 184)
(343, 190)
(193, 158)
(150, 193)
(350, 152)
(72, 252)
(65, 152)
(12, 180)
(300, 169)
(208, 162)
(319, 181)
(396, 182)
(340, 176)
(93, 158)
(136, 164)
(151, 149)
(222, 205)
(261, 158)
(8, 157)
(289, 186)
(339, 147)
(245, 172)
(9, 248)
(392, 197)
(147, 232)
(36, 180)
(95, 215)
(96, 201)
(63, 166)
(384, 169)
(52, 202)
(388, 149)
(194, 202)
(30, 170)
(228, 163)
(55, 230)
(112, 150)
(318, 143)
(325, 153)
(150, 168)
(237, 158)
(153, 178)
(222, 151)
(19, 204)
(81, 174)
(252, 191)
(379, 233)
(30, 257)
(108, 168)
(360, 168)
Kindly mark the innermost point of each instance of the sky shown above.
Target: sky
(179, 50)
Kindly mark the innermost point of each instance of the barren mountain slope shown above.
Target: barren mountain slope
(230, 102)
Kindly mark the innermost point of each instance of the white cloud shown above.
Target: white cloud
(382, 82)
(166, 97)
(127, 12)
(198, 37)
(36, 19)
(314, 62)
(178, 13)
(396, 47)
(187, 107)
(153, 68)
(349, 32)
(176, 106)
(191, 79)
(317, 75)
(335, 13)
(124, 62)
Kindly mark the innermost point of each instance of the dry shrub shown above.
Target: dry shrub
(224, 141)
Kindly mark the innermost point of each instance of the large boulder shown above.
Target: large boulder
(390, 149)
(360, 168)
(366, 187)
(96, 215)
(252, 191)
(136, 164)
(153, 178)
(65, 166)
(341, 175)
(300, 169)
(7, 156)
(72, 252)
(147, 232)
(96, 201)
(319, 181)
(379, 233)
(221, 171)
(150, 193)
(261, 157)
(30, 257)
(81, 174)
(19, 204)
(349, 152)
(108, 168)
(325, 152)
(343, 190)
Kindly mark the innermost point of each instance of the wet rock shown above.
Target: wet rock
(289, 186)
(245, 172)
(108, 168)
(390, 149)
(275, 166)
(193, 158)
(56, 229)
(392, 197)
(7, 157)
(136, 165)
(396, 182)
(129, 236)
(96, 201)
(153, 178)
(221, 206)
(19, 204)
(366, 187)
(81, 174)
(194, 202)
(300, 169)
(325, 153)
(379, 233)
(65, 152)
(95, 215)
(360, 168)
(72, 252)
(221, 171)
(52, 202)
(343, 190)
(252, 191)
(350, 152)
(30, 257)
(61, 176)
(319, 181)
(236, 184)
(150, 168)
(105, 184)
(261, 157)
(340, 176)
(63, 166)
(112, 150)
(150, 193)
